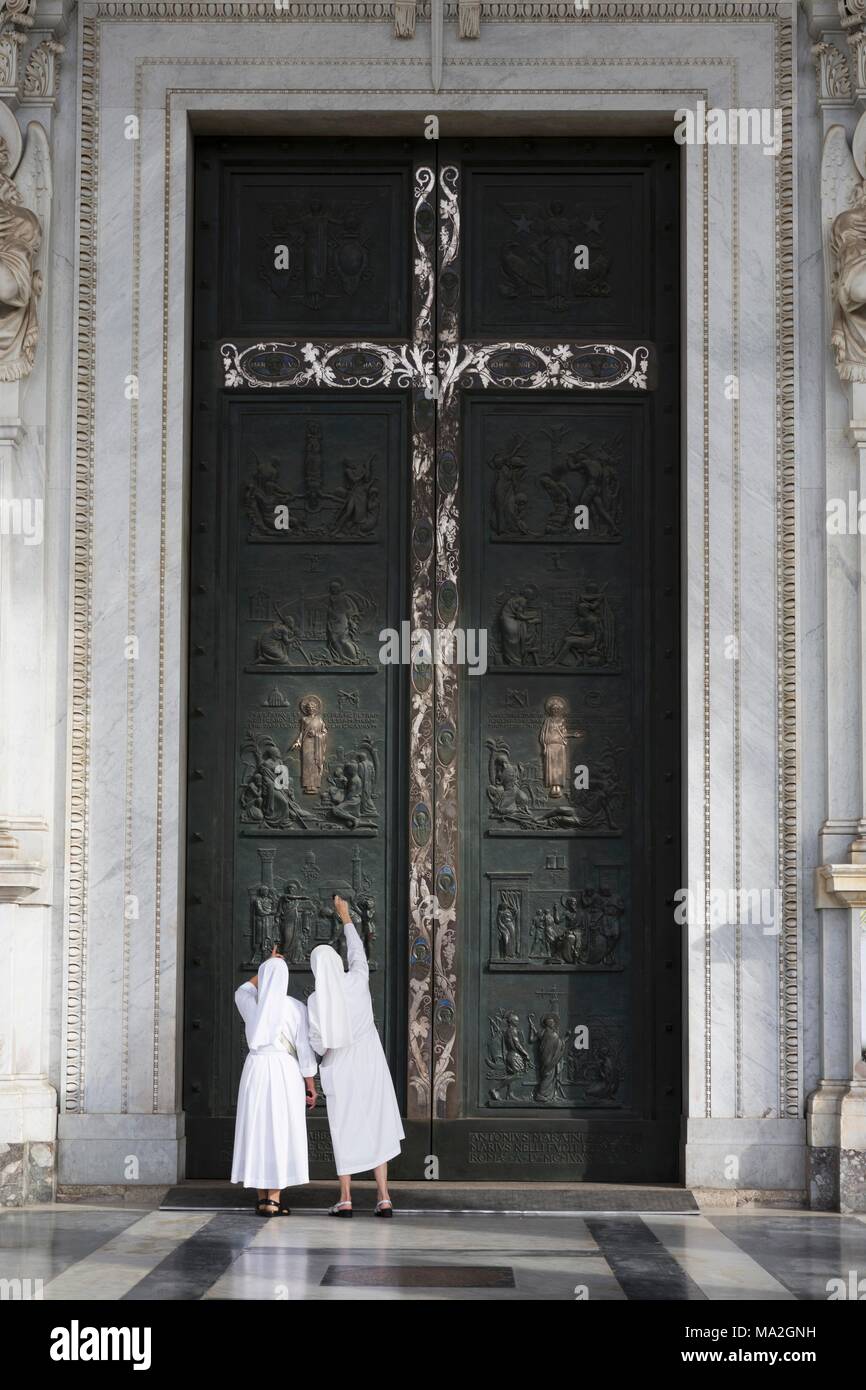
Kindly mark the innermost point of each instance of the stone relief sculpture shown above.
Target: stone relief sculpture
(345, 783)
(554, 1061)
(298, 916)
(579, 929)
(25, 200)
(843, 197)
(553, 737)
(312, 742)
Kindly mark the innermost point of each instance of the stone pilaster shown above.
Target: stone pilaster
(30, 52)
(836, 1107)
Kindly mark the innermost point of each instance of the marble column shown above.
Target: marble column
(32, 553)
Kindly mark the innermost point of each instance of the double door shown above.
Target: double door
(434, 620)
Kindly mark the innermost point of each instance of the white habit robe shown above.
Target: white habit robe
(271, 1126)
(363, 1115)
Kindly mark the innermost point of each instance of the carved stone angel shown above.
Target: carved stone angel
(24, 180)
(843, 194)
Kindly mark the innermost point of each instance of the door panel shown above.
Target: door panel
(414, 410)
(557, 997)
(298, 730)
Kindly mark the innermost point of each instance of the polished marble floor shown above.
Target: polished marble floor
(102, 1252)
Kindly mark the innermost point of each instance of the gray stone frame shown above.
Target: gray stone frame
(178, 68)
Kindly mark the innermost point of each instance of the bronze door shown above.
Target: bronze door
(556, 1016)
(435, 394)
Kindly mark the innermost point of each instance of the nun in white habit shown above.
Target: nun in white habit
(270, 1150)
(363, 1114)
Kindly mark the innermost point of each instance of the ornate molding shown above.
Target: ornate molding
(78, 821)
(495, 11)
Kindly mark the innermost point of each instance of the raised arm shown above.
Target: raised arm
(246, 999)
(355, 952)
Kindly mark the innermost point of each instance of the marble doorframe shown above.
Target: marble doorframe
(742, 989)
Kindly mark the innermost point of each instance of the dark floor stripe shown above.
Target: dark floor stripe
(43, 1244)
(199, 1261)
(804, 1255)
(641, 1265)
(420, 1276)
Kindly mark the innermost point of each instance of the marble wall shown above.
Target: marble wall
(752, 611)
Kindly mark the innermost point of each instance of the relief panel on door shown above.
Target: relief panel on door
(550, 256)
(316, 253)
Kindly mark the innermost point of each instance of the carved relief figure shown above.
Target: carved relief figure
(848, 248)
(25, 198)
(351, 784)
(263, 494)
(507, 1051)
(359, 511)
(552, 1070)
(520, 628)
(581, 472)
(537, 263)
(312, 627)
(507, 927)
(601, 802)
(510, 793)
(346, 510)
(277, 642)
(297, 919)
(263, 906)
(328, 250)
(266, 795)
(591, 640)
(578, 929)
(312, 741)
(598, 486)
(341, 623)
(553, 738)
(550, 1050)
(509, 502)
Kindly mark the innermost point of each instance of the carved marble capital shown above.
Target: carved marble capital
(41, 74)
(833, 75)
(11, 70)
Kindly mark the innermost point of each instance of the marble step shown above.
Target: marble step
(448, 1197)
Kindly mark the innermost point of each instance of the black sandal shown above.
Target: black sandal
(267, 1202)
(384, 1208)
(340, 1209)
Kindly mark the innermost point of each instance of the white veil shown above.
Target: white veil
(263, 1027)
(327, 1004)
